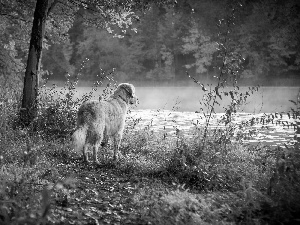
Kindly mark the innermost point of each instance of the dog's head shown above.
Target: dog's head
(127, 93)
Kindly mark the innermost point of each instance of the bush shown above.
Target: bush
(181, 206)
(284, 185)
(56, 121)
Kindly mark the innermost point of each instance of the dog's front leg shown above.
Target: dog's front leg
(85, 154)
(95, 151)
(117, 141)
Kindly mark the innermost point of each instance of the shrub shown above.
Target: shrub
(284, 185)
(56, 121)
(183, 207)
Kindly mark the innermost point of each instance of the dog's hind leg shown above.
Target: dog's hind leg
(117, 142)
(95, 150)
(104, 145)
(85, 154)
(105, 139)
(99, 140)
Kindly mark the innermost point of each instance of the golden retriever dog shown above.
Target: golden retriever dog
(97, 121)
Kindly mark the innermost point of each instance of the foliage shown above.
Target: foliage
(18, 180)
(229, 71)
(202, 48)
(182, 207)
(11, 65)
(107, 52)
(165, 41)
(266, 41)
(284, 184)
(57, 118)
(160, 41)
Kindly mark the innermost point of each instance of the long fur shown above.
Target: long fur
(99, 120)
(79, 137)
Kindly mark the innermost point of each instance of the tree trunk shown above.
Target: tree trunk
(298, 121)
(30, 90)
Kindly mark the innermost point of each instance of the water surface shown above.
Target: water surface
(168, 108)
(274, 133)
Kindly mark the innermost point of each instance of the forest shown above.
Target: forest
(160, 43)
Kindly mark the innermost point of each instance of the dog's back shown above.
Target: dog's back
(89, 112)
(96, 120)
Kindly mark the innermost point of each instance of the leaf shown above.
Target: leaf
(203, 88)
(231, 95)
(217, 92)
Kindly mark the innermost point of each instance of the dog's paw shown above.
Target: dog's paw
(85, 159)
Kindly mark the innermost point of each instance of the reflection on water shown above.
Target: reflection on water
(273, 133)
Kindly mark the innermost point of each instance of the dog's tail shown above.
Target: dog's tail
(79, 138)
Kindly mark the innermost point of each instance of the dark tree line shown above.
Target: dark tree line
(165, 42)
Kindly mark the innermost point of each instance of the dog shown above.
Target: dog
(97, 121)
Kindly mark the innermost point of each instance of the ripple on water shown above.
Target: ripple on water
(167, 121)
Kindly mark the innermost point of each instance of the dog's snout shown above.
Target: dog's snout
(133, 100)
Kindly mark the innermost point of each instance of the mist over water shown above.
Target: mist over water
(187, 99)
(266, 100)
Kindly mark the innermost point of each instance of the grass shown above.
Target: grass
(158, 180)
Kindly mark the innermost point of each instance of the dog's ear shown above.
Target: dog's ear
(129, 88)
